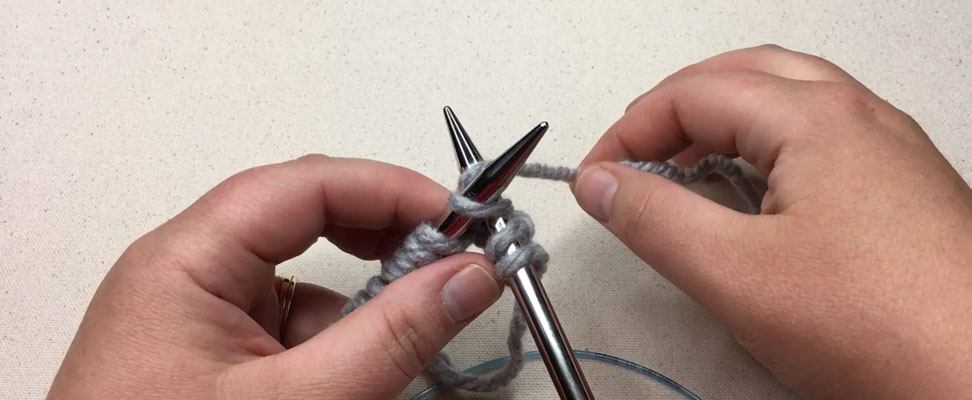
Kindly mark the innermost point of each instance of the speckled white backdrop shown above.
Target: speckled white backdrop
(116, 115)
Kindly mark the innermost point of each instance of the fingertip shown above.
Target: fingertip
(395, 335)
(594, 190)
(469, 291)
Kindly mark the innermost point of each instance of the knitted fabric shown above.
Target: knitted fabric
(425, 245)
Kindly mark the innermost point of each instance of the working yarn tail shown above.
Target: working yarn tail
(711, 164)
(425, 245)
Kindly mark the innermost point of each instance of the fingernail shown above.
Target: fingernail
(469, 292)
(595, 191)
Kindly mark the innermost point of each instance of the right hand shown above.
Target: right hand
(856, 279)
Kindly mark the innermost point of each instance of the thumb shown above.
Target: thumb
(375, 351)
(691, 240)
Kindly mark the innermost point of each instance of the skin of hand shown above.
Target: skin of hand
(190, 310)
(855, 281)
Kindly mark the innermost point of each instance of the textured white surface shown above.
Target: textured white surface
(115, 116)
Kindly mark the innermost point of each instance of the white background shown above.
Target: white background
(114, 116)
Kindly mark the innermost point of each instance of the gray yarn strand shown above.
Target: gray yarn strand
(708, 165)
(549, 172)
(425, 245)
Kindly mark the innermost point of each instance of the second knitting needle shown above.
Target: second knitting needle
(552, 344)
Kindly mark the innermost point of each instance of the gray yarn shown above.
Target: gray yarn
(711, 164)
(425, 245)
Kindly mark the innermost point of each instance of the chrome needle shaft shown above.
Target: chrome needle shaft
(548, 334)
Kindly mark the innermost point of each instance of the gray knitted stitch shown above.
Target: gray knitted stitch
(425, 245)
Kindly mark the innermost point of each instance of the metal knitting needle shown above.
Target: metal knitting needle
(552, 344)
(494, 179)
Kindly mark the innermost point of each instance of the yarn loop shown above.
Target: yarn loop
(425, 245)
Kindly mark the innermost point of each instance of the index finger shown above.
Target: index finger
(739, 112)
(771, 59)
(230, 239)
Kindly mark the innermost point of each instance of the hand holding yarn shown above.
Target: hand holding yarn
(425, 244)
(854, 282)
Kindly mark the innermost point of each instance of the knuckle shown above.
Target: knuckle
(906, 120)
(771, 47)
(751, 54)
(685, 71)
(844, 98)
(151, 262)
(260, 174)
(313, 158)
(840, 109)
(152, 251)
(246, 178)
(137, 254)
(640, 216)
(408, 349)
(742, 80)
(140, 248)
(895, 117)
(762, 52)
(819, 62)
(747, 335)
(800, 64)
(408, 174)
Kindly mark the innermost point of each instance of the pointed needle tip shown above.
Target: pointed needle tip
(466, 152)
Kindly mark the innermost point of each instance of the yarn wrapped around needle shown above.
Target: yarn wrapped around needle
(425, 244)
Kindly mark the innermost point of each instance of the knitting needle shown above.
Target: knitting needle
(494, 178)
(466, 152)
(552, 344)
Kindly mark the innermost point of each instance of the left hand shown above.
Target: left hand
(191, 311)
